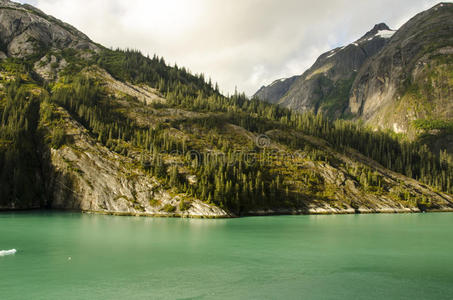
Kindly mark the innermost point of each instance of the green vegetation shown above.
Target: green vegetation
(58, 137)
(433, 124)
(19, 148)
(184, 205)
(231, 172)
(168, 208)
(132, 66)
(336, 101)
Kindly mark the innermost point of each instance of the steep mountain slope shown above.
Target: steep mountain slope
(401, 82)
(276, 90)
(325, 86)
(411, 78)
(115, 132)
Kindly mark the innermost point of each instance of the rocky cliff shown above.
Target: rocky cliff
(400, 80)
(25, 30)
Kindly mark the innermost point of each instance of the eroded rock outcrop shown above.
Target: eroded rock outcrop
(89, 177)
(25, 30)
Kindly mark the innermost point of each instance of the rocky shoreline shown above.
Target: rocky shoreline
(318, 211)
(259, 213)
(322, 211)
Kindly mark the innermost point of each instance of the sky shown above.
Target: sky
(241, 44)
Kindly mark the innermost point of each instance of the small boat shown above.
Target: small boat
(7, 252)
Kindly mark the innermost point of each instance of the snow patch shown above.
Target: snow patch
(386, 34)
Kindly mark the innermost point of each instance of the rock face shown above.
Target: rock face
(25, 29)
(87, 176)
(386, 78)
(49, 66)
(276, 90)
(410, 78)
(325, 86)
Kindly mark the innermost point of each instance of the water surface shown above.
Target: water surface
(78, 256)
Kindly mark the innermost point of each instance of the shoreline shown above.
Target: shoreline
(316, 211)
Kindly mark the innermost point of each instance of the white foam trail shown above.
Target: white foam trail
(7, 252)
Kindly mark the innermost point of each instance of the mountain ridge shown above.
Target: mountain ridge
(332, 72)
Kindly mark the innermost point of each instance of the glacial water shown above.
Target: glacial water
(78, 256)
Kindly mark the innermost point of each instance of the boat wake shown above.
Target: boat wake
(7, 252)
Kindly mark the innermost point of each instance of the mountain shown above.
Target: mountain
(276, 90)
(411, 78)
(391, 80)
(87, 128)
(325, 86)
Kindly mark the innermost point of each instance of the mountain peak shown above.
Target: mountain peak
(380, 26)
(443, 4)
(377, 29)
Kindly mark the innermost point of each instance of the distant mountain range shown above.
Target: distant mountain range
(399, 80)
(323, 86)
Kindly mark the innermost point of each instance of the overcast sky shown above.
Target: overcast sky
(243, 43)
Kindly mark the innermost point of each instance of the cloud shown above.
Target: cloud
(243, 43)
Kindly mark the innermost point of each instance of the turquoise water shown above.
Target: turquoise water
(288, 257)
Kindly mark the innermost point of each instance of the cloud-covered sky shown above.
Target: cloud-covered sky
(243, 43)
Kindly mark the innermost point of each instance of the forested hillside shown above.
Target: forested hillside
(114, 131)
